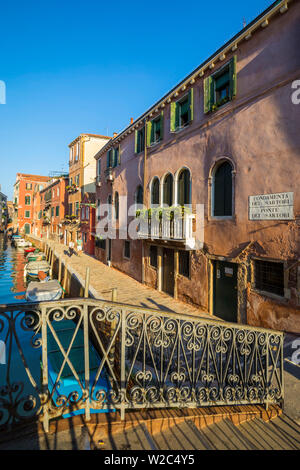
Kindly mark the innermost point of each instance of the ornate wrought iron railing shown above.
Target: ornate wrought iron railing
(149, 359)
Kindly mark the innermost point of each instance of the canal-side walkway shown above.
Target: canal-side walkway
(104, 278)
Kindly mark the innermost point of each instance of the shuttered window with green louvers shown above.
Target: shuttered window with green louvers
(220, 87)
(109, 162)
(182, 111)
(155, 130)
(140, 140)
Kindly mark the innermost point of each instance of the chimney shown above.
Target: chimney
(115, 134)
(131, 120)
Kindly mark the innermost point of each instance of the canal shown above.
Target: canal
(12, 262)
(17, 388)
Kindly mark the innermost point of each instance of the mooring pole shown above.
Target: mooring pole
(87, 282)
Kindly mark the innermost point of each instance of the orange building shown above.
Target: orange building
(51, 205)
(24, 188)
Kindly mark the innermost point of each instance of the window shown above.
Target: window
(139, 197)
(153, 256)
(82, 213)
(184, 263)
(109, 162)
(126, 249)
(28, 186)
(168, 190)
(40, 215)
(155, 192)
(269, 276)
(57, 211)
(222, 191)
(99, 167)
(77, 209)
(98, 209)
(117, 206)
(87, 213)
(77, 180)
(115, 158)
(182, 112)
(41, 187)
(27, 200)
(70, 208)
(52, 211)
(27, 214)
(183, 187)
(220, 87)
(140, 140)
(155, 130)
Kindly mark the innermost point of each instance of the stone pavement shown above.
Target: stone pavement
(129, 291)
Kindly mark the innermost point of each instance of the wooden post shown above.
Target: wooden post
(59, 270)
(114, 293)
(65, 281)
(87, 282)
(52, 264)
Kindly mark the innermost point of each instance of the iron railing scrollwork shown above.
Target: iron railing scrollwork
(147, 358)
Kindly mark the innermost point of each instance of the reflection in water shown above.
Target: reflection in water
(21, 372)
(12, 261)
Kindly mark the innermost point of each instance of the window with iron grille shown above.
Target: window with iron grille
(184, 263)
(269, 276)
(126, 249)
(153, 256)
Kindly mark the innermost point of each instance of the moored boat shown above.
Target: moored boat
(32, 268)
(43, 291)
(39, 256)
(30, 249)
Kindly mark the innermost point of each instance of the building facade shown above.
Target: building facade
(225, 143)
(24, 188)
(82, 171)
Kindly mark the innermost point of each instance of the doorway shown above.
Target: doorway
(168, 271)
(225, 290)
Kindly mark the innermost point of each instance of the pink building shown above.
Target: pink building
(224, 141)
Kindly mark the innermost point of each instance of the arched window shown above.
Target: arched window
(117, 205)
(155, 192)
(168, 190)
(184, 188)
(222, 190)
(139, 195)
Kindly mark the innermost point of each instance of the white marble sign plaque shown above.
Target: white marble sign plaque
(278, 206)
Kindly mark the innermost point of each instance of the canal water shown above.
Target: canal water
(17, 387)
(12, 262)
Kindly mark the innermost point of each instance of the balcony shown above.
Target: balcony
(172, 225)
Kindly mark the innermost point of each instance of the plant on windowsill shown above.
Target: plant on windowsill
(220, 103)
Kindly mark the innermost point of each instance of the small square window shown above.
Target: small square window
(184, 263)
(27, 214)
(127, 249)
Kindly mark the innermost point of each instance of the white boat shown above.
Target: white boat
(43, 291)
(33, 267)
(21, 243)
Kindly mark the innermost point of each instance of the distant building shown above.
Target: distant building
(50, 209)
(24, 188)
(87, 223)
(3, 212)
(82, 171)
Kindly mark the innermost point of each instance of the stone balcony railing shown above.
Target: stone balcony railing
(174, 228)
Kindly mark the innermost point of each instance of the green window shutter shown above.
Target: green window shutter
(149, 128)
(191, 104)
(173, 116)
(108, 159)
(119, 155)
(161, 125)
(136, 142)
(115, 157)
(208, 94)
(233, 76)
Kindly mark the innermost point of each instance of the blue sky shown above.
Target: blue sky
(72, 67)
